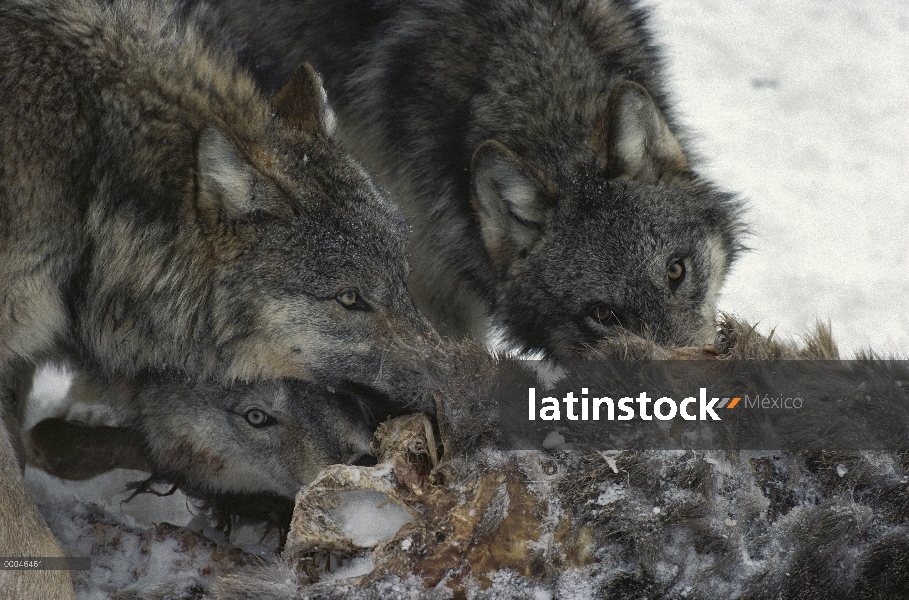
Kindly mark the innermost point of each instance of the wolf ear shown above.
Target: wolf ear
(225, 178)
(302, 103)
(511, 200)
(633, 138)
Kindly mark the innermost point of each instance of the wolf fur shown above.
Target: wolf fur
(533, 149)
(156, 212)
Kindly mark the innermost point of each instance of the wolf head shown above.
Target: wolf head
(263, 437)
(311, 273)
(628, 240)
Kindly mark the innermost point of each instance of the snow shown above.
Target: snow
(801, 107)
(541, 594)
(357, 566)
(554, 440)
(143, 510)
(369, 518)
(611, 494)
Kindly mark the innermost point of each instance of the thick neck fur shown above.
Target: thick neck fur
(151, 312)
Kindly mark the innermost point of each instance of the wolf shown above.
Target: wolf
(158, 213)
(243, 451)
(210, 440)
(532, 147)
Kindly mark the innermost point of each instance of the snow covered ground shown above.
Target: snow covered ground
(802, 108)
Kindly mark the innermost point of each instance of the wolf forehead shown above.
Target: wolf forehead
(324, 184)
(336, 239)
(329, 205)
(614, 209)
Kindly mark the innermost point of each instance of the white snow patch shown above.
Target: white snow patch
(108, 491)
(357, 566)
(368, 517)
(611, 494)
(665, 571)
(553, 441)
(576, 584)
(127, 561)
(801, 107)
(541, 594)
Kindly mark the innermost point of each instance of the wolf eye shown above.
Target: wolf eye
(676, 273)
(351, 300)
(604, 315)
(258, 418)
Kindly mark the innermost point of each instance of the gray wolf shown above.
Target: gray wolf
(210, 440)
(244, 451)
(157, 212)
(533, 148)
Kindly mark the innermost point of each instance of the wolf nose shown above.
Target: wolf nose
(364, 460)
